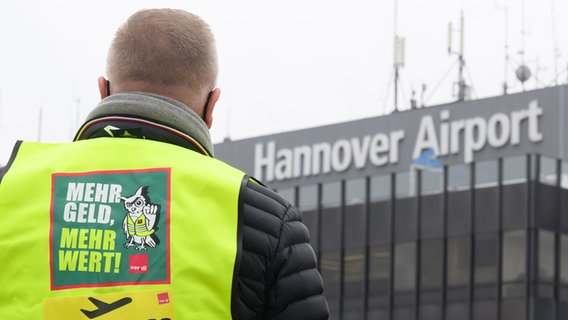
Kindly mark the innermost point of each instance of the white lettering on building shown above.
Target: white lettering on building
(322, 158)
(477, 132)
(463, 136)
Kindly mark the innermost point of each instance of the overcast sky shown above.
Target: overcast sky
(284, 65)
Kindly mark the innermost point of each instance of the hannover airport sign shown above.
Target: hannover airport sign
(457, 133)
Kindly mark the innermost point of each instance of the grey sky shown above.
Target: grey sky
(284, 65)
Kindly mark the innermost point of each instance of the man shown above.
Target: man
(136, 219)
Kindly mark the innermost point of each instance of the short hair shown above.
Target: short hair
(164, 47)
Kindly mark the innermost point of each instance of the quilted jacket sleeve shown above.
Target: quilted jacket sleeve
(278, 277)
(298, 286)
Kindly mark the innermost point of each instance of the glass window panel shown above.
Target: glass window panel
(330, 267)
(432, 180)
(330, 230)
(459, 212)
(564, 259)
(485, 259)
(308, 198)
(380, 188)
(354, 226)
(485, 310)
(513, 309)
(546, 250)
(289, 194)
(405, 267)
(547, 207)
(405, 184)
(486, 174)
(457, 311)
(430, 312)
(431, 264)
(406, 219)
(564, 178)
(459, 177)
(353, 276)
(458, 261)
(514, 256)
(355, 191)
(380, 222)
(331, 195)
(547, 171)
(432, 216)
(486, 215)
(515, 170)
(514, 206)
(379, 274)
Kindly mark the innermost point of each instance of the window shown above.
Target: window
(380, 188)
(353, 283)
(546, 250)
(405, 184)
(459, 177)
(405, 267)
(380, 209)
(379, 274)
(486, 174)
(564, 259)
(547, 171)
(514, 256)
(514, 170)
(355, 191)
(431, 264)
(432, 180)
(331, 195)
(458, 259)
(355, 224)
(485, 259)
(564, 179)
(308, 198)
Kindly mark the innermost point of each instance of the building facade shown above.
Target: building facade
(457, 211)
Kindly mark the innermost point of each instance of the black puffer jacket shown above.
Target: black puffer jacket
(278, 278)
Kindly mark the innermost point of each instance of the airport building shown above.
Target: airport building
(456, 211)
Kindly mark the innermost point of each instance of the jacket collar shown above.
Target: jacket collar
(147, 116)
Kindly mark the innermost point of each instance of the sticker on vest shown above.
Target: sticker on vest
(141, 305)
(110, 228)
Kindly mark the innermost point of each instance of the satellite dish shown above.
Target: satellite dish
(523, 73)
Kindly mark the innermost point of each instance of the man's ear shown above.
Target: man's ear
(208, 116)
(104, 87)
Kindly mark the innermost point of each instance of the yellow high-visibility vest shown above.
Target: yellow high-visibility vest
(66, 251)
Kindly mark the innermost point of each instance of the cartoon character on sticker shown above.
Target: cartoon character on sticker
(141, 221)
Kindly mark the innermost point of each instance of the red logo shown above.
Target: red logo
(138, 263)
(163, 298)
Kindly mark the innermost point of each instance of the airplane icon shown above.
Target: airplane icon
(104, 308)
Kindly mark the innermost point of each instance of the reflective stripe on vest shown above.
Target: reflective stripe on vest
(117, 229)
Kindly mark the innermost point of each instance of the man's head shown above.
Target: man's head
(168, 52)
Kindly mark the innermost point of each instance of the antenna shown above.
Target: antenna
(523, 72)
(463, 88)
(555, 41)
(506, 13)
(398, 56)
